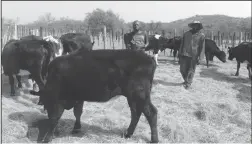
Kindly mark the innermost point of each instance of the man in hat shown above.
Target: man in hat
(190, 51)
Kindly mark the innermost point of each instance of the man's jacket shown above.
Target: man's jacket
(192, 45)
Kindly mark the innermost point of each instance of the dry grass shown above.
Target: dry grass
(216, 110)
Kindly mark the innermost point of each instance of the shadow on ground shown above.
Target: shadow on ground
(37, 125)
(214, 74)
(166, 83)
(243, 85)
(166, 60)
(244, 94)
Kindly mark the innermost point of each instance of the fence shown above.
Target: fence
(111, 39)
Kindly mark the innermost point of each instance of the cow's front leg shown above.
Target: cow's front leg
(54, 114)
(18, 77)
(238, 67)
(11, 82)
(77, 113)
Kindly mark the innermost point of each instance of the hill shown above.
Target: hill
(214, 23)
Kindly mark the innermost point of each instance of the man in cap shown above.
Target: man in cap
(190, 51)
(137, 39)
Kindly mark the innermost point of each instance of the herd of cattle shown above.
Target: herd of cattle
(68, 72)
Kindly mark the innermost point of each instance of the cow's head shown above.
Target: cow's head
(230, 53)
(222, 56)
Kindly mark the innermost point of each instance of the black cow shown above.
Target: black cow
(242, 53)
(74, 41)
(30, 55)
(98, 76)
(211, 50)
(173, 44)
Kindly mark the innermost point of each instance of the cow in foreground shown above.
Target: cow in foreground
(74, 41)
(31, 55)
(242, 53)
(98, 76)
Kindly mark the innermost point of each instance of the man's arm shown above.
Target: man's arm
(182, 44)
(146, 40)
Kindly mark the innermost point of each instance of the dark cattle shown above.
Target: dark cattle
(173, 44)
(74, 41)
(97, 76)
(30, 55)
(242, 53)
(211, 50)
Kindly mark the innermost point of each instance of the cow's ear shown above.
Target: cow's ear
(229, 48)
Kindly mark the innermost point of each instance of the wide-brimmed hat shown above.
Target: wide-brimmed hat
(195, 23)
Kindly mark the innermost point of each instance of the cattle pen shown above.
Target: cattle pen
(105, 38)
(216, 110)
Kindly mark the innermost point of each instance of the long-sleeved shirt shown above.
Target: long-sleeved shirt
(192, 45)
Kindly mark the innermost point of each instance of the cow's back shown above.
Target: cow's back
(93, 75)
(243, 51)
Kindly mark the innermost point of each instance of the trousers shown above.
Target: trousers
(187, 68)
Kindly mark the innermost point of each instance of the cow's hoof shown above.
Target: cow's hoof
(236, 74)
(76, 131)
(154, 141)
(127, 135)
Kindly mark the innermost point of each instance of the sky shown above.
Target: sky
(164, 11)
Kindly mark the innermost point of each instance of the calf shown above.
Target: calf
(242, 53)
(98, 76)
(30, 55)
(211, 50)
(74, 41)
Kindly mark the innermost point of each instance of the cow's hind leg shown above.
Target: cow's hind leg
(150, 112)
(54, 114)
(136, 112)
(238, 67)
(38, 79)
(18, 77)
(139, 101)
(11, 82)
(77, 113)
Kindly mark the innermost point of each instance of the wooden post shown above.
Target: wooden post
(218, 38)
(240, 37)
(41, 31)
(174, 32)
(104, 36)
(212, 35)
(123, 45)
(233, 40)
(15, 32)
(113, 39)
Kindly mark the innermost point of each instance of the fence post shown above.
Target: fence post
(240, 37)
(212, 35)
(41, 31)
(104, 36)
(15, 32)
(113, 39)
(233, 39)
(123, 39)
